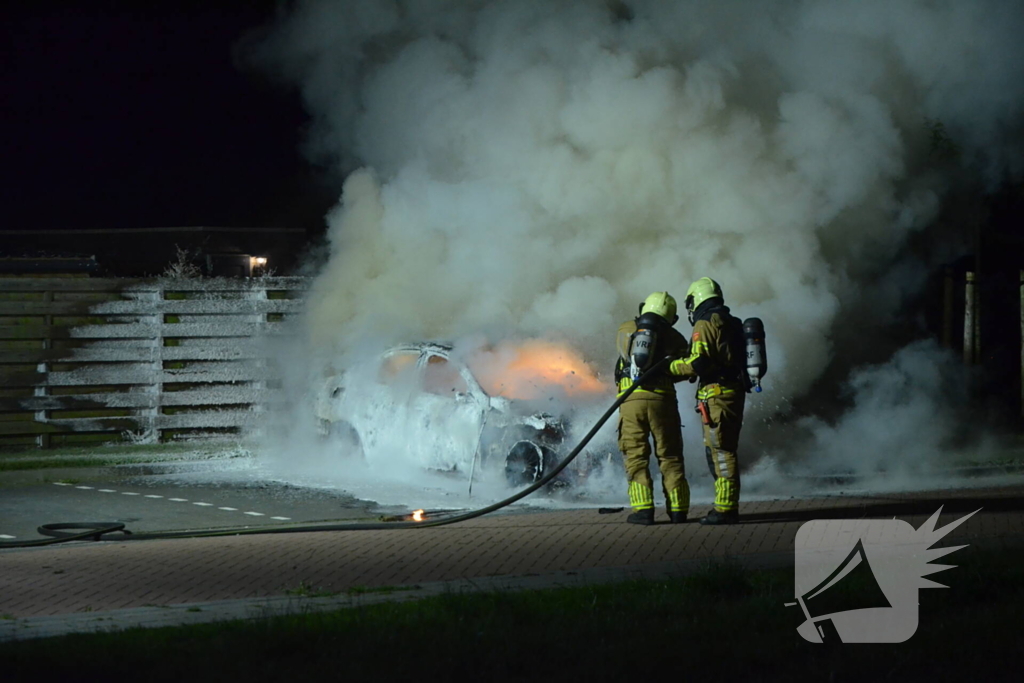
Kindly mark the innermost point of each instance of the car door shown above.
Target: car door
(381, 408)
(450, 415)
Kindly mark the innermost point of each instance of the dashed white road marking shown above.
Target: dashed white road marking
(6, 536)
(251, 513)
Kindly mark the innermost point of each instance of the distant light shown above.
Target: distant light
(261, 260)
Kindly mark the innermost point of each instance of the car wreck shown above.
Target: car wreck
(422, 404)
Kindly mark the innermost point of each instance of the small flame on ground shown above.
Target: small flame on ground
(417, 515)
(530, 369)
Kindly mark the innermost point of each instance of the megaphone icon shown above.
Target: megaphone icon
(829, 598)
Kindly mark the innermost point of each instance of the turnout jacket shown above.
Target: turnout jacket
(670, 343)
(717, 353)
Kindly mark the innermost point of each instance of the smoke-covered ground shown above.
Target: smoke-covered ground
(534, 168)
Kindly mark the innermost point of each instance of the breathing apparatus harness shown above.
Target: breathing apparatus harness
(643, 348)
(745, 340)
(95, 531)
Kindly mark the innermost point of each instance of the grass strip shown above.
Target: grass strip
(723, 623)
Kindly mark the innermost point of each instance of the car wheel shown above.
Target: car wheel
(346, 436)
(525, 463)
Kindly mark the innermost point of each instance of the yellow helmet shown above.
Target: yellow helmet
(700, 291)
(660, 303)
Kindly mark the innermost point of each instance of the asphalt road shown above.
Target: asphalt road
(162, 498)
(216, 493)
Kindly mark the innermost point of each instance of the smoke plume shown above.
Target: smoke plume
(534, 168)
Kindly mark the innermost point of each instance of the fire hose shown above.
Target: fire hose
(95, 531)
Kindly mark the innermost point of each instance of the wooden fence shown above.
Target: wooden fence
(85, 359)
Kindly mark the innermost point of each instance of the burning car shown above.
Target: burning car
(424, 405)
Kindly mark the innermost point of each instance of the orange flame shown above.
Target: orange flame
(533, 368)
(417, 515)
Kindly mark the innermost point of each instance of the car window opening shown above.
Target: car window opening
(443, 378)
(398, 368)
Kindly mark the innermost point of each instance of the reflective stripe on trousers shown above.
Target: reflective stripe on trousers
(640, 497)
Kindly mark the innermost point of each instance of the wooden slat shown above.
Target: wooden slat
(19, 284)
(248, 374)
(234, 284)
(247, 349)
(91, 424)
(213, 396)
(210, 419)
(46, 307)
(76, 378)
(210, 329)
(178, 342)
(161, 307)
(20, 378)
(61, 284)
(143, 330)
(126, 399)
(240, 349)
(136, 354)
(27, 332)
(210, 396)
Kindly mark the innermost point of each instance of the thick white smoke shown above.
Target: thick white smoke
(537, 167)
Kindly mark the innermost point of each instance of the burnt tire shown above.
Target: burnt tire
(525, 463)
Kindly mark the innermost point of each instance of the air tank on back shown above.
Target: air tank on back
(757, 356)
(642, 345)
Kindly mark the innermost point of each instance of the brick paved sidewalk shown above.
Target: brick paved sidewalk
(76, 583)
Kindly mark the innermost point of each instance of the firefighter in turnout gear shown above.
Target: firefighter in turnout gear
(651, 411)
(717, 360)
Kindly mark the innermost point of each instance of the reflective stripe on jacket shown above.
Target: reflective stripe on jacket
(712, 358)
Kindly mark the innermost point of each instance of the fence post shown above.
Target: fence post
(257, 292)
(156, 363)
(43, 388)
(978, 300)
(969, 327)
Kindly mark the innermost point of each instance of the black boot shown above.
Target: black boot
(676, 517)
(718, 517)
(645, 517)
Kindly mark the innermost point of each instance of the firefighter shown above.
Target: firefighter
(717, 360)
(651, 411)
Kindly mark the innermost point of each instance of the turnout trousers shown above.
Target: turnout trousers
(643, 418)
(721, 442)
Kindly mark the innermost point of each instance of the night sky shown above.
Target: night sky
(130, 114)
